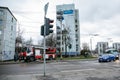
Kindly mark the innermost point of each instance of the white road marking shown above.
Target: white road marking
(78, 70)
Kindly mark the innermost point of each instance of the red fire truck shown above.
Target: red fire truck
(34, 53)
(29, 54)
(50, 53)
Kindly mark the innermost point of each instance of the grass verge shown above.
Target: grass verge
(76, 58)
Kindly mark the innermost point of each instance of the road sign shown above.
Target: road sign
(68, 12)
(46, 8)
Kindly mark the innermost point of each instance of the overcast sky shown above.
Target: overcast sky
(96, 17)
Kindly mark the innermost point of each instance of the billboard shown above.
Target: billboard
(68, 12)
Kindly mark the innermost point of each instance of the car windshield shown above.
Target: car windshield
(110, 51)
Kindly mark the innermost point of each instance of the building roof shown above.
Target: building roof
(8, 10)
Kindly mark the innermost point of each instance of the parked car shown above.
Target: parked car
(106, 58)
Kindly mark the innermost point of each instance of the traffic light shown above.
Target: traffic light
(42, 30)
(48, 26)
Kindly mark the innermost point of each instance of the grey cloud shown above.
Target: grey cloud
(94, 10)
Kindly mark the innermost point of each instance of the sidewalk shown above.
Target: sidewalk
(28, 77)
(9, 62)
(41, 61)
(55, 76)
(17, 62)
(17, 77)
(88, 74)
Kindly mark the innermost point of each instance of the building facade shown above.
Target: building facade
(102, 46)
(8, 34)
(116, 46)
(68, 30)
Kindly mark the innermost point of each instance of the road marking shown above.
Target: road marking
(78, 70)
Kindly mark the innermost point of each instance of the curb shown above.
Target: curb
(13, 62)
(9, 62)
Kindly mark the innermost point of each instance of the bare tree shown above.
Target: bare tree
(29, 42)
(65, 33)
(50, 40)
(19, 40)
(18, 43)
(85, 46)
(85, 49)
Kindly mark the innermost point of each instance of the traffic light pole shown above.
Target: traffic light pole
(45, 10)
(46, 30)
(44, 47)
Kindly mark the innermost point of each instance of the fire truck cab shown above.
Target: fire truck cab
(50, 53)
(29, 54)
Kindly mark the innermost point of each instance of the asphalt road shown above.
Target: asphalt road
(67, 70)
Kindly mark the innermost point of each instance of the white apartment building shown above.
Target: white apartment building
(116, 46)
(102, 46)
(70, 41)
(7, 34)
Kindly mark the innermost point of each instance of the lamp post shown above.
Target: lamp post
(110, 42)
(91, 41)
(91, 44)
(60, 18)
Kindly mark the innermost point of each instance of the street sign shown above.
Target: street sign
(46, 8)
(68, 12)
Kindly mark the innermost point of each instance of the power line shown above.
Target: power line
(9, 21)
(31, 22)
(26, 12)
(26, 17)
(29, 12)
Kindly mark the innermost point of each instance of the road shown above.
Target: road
(85, 69)
(34, 68)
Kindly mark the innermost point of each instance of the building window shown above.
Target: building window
(76, 47)
(76, 26)
(58, 32)
(76, 36)
(58, 43)
(76, 39)
(62, 49)
(11, 28)
(1, 12)
(1, 29)
(1, 21)
(0, 41)
(76, 20)
(58, 37)
(12, 20)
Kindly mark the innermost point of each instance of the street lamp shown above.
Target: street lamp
(110, 41)
(91, 41)
(60, 18)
